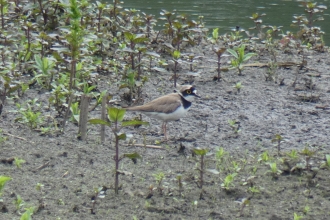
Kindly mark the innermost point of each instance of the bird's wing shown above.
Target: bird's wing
(166, 104)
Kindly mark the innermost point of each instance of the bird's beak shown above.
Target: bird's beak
(195, 93)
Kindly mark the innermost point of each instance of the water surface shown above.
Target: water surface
(227, 14)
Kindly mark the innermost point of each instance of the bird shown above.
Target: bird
(170, 107)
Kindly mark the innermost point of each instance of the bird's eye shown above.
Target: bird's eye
(188, 91)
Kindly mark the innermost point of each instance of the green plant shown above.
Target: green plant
(133, 40)
(278, 139)
(253, 189)
(235, 125)
(220, 155)
(239, 58)
(39, 186)
(2, 138)
(326, 163)
(19, 203)
(3, 11)
(201, 152)
(116, 123)
(297, 217)
(29, 115)
(228, 181)
(274, 171)
(159, 177)
(75, 110)
(264, 157)
(176, 58)
(3, 181)
(27, 214)
(219, 52)
(238, 86)
(45, 68)
(180, 182)
(308, 155)
(18, 162)
(215, 35)
(245, 202)
(293, 154)
(306, 209)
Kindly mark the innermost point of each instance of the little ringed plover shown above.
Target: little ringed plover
(170, 107)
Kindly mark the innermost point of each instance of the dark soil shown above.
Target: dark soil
(296, 107)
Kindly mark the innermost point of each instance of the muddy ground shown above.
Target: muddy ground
(296, 107)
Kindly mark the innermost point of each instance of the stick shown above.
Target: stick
(11, 135)
(83, 116)
(43, 166)
(147, 146)
(103, 117)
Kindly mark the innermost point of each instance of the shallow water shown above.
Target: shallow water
(227, 14)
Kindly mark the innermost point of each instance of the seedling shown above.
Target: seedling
(27, 214)
(326, 164)
(180, 183)
(219, 52)
(116, 123)
(201, 152)
(19, 203)
(228, 181)
(2, 138)
(176, 58)
(44, 65)
(264, 157)
(297, 217)
(215, 35)
(306, 209)
(98, 193)
(245, 202)
(3, 181)
(274, 171)
(239, 58)
(293, 154)
(238, 86)
(235, 125)
(159, 177)
(278, 139)
(253, 189)
(308, 155)
(220, 157)
(39, 186)
(29, 115)
(18, 162)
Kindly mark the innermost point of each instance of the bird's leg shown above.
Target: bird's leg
(164, 130)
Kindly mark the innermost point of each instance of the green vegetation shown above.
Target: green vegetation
(59, 49)
(116, 123)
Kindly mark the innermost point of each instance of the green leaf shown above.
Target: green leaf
(233, 53)
(129, 36)
(215, 33)
(176, 54)
(140, 40)
(116, 114)
(133, 123)
(200, 152)
(248, 56)
(97, 121)
(122, 136)
(3, 180)
(133, 156)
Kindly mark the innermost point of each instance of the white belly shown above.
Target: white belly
(179, 113)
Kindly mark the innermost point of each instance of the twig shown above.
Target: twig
(147, 146)
(43, 166)
(11, 135)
